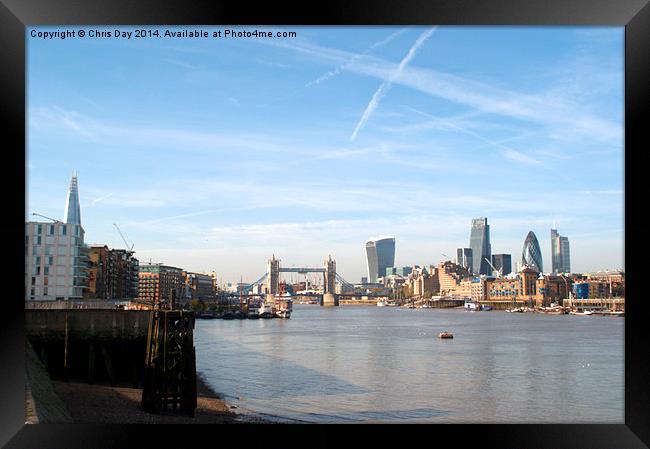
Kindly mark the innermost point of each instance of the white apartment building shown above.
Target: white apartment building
(54, 260)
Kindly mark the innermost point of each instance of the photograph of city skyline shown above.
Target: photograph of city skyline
(345, 224)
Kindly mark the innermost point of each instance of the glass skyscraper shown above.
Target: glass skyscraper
(479, 242)
(531, 255)
(72, 213)
(560, 260)
(464, 258)
(502, 262)
(380, 254)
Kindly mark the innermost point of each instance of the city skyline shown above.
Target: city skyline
(213, 155)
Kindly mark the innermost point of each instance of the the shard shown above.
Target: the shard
(72, 213)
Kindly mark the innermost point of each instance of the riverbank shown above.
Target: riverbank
(101, 404)
(48, 401)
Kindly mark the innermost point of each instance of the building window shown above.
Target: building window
(46, 271)
(45, 291)
(64, 230)
(33, 280)
(50, 260)
(76, 231)
(39, 229)
(38, 271)
(38, 240)
(50, 230)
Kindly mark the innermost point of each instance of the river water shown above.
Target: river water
(353, 364)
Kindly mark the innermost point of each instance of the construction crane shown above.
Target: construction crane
(55, 221)
(449, 258)
(495, 270)
(122, 235)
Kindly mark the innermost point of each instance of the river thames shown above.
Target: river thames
(365, 364)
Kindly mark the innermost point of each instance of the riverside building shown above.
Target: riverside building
(112, 274)
(55, 254)
(157, 281)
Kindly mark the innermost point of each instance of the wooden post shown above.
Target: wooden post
(44, 356)
(91, 362)
(109, 365)
(65, 350)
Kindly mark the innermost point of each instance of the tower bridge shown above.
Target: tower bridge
(271, 279)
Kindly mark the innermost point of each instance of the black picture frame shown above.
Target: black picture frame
(634, 15)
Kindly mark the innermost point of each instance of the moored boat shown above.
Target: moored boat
(585, 313)
(445, 334)
(283, 305)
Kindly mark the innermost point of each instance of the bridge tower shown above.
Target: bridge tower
(329, 278)
(273, 278)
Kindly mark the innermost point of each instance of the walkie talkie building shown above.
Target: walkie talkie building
(380, 254)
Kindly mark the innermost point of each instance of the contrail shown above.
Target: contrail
(379, 94)
(339, 69)
(97, 200)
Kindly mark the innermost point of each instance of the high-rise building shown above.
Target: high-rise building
(55, 255)
(380, 254)
(72, 212)
(502, 262)
(479, 242)
(464, 258)
(560, 260)
(531, 255)
(564, 254)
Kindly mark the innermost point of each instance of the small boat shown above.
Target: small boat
(265, 311)
(585, 313)
(381, 303)
(445, 334)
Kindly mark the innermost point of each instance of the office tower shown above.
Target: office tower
(503, 263)
(464, 258)
(479, 242)
(560, 259)
(380, 254)
(531, 254)
(72, 213)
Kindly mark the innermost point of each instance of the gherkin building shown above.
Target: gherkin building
(532, 254)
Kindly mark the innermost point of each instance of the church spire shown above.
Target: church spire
(72, 213)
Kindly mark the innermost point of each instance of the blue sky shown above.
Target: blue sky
(213, 154)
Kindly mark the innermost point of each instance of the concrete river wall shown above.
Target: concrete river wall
(90, 345)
